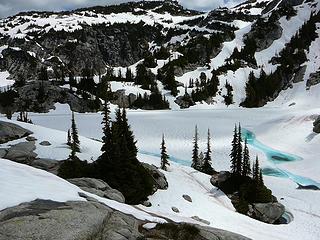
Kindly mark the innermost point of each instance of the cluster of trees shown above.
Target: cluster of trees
(153, 101)
(260, 90)
(166, 76)
(246, 53)
(204, 87)
(118, 164)
(228, 98)
(247, 181)
(202, 162)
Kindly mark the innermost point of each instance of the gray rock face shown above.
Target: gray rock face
(314, 79)
(50, 220)
(219, 178)
(21, 152)
(266, 212)
(98, 187)
(43, 219)
(48, 165)
(10, 131)
(316, 125)
(298, 77)
(157, 176)
(187, 198)
(53, 94)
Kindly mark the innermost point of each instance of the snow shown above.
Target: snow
(4, 81)
(21, 183)
(290, 27)
(288, 129)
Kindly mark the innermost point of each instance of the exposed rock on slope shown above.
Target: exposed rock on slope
(98, 187)
(10, 131)
(45, 219)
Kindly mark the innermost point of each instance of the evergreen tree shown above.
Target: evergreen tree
(246, 168)
(128, 135)
(261, 182)
(69, 138)
(228, 99)
(234, 150)
(107, 135)
(164, 155)
(207, 164)
(75, 144)
(195, 152)
(256, 170)
(239, 152)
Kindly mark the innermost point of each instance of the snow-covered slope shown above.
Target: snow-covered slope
(208, 203)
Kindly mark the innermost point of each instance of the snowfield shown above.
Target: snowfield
(288, 129)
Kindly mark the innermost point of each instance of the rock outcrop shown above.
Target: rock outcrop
(313, 80)
(98, 187)
(22, 152)
(266, 212)
(10, 132)
(50, 220)
(158, 177)
(316, 125)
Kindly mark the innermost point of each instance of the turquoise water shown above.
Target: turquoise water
(277, 157)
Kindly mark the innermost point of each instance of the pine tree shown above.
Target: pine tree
(234, 150)
(195, 152)
(239, 152)
(207, 164)
(128, 134)
(75, 144)
(164, 155)
(69, 138)
(106, 122)
(261, 182)
(246, 168)
(256, 170)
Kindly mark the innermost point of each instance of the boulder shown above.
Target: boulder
(45, 143)
(200, 220)
(313, 80)
(98, 187)
(31, 139)
(176, 210)
(218, 178)
(266, 212)
(10, 131)
(157, 176)
(3, 152)
(187, 198)
(48, 165)
(316, 125)
(22, 152)
(45, 219)
(147, 204)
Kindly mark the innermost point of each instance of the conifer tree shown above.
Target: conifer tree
(164, 155)
(106, 122)
(75, 144)
(246, 168)
(195, 152)
(234, 150)
(256, 170)
(207, 164)
(69, 138)
(239, 152)
(261, 182)
(128, 135)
